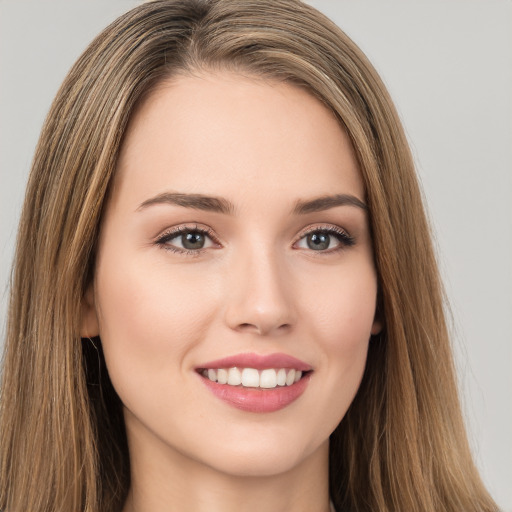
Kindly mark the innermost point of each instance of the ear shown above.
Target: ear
(377, 325)
(89, 321)
(378, 321)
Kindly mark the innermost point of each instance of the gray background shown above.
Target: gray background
(448, 65)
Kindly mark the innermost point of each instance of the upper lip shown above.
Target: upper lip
(259, 362)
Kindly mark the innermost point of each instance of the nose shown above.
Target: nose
(261, 297)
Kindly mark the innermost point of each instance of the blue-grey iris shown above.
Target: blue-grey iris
(193, 240)
(318, 241)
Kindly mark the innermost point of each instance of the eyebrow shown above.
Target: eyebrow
(326, 202)
(195, 201)
(221, 205)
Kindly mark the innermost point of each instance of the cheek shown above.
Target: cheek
(342, 310)
(149, 317)
(342, 317)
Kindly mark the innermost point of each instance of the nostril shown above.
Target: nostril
(247, 327)
(262, 328)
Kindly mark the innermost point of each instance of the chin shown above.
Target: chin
(264, 457)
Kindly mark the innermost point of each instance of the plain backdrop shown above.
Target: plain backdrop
(448, 65)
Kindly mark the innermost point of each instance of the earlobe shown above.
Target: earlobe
(378, 319)
(378, 322)
(89, 326)
(376, 327)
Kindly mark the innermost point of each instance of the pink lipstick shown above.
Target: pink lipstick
(256, 383)
(260, 362)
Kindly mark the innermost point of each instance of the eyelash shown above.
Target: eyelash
(340, 234)
(173, 233)
(163, 240)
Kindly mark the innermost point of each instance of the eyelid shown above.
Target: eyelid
(344, 237)
(333, 228)
(167, 235)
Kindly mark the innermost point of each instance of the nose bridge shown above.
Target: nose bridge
(260, 300)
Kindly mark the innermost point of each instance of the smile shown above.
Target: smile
(253, 378)
(256, 383)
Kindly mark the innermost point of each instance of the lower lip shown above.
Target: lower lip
(257, 399)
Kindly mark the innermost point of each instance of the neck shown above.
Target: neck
(169, 480)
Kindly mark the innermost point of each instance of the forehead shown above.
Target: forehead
(219, 133)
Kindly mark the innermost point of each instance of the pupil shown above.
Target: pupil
(193, 240)
(318, 241)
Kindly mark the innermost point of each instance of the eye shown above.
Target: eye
(325, 239)
(187, 240)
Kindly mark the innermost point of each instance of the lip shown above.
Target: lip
(258, 362)
(257, 400)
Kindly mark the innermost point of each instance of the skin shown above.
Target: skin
(256, 287)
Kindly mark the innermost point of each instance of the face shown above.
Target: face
(235, 246)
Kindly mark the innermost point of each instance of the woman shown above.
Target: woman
(225, 293)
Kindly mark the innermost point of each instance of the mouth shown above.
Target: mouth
(268, 378)
(256, 383)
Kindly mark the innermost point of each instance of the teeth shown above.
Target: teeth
(268, 379)
(252, 378)
(222, 376)
(234, 377)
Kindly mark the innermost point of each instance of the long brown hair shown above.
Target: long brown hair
(402, 444)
